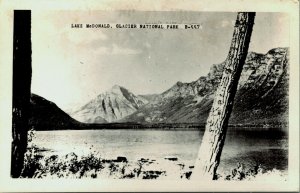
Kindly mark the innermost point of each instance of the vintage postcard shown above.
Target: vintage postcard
(140, 96)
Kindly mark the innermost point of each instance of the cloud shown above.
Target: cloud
(116, 50)
(226, 23)
(84, 36)
(147, 45)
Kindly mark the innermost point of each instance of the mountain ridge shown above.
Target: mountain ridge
(262, 90)
(46, 115)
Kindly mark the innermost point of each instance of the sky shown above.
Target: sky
(72, 66)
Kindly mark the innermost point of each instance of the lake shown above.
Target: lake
(268, 148)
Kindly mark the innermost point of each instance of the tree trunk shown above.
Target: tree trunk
(21, 89)
(217, 122)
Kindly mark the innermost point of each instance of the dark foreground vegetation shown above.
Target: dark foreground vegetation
(73, 166)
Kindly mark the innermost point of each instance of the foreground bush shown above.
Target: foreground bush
(39, 165)
(91, 166)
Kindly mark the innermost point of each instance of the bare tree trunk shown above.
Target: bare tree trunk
(21, 88)
(217, 122)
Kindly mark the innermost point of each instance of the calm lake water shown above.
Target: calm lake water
(269, 148)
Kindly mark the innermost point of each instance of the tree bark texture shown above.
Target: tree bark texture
(21, 88)
(217, 122)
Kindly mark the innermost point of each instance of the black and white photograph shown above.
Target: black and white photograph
(152, 96)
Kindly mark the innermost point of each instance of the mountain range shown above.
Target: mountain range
(261, 99)
(262, 96)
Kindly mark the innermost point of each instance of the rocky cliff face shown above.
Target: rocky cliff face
(110, 106)
(263, 90)
(262, 96)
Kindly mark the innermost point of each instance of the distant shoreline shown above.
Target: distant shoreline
(158, 126)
